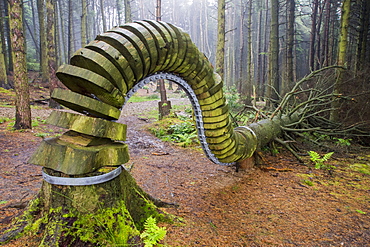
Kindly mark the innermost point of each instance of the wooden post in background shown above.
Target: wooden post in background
(164, 106)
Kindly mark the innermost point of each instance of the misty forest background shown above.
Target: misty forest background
(260, 48)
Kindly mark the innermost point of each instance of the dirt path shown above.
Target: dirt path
(270, 206)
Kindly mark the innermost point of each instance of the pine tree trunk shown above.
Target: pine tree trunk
(43, 41)
(3, 49)
(220, 52)
(71, 46)
(313, 35)
(362, 36)
(260, 58)
(128, 14)
(8, 38)
(289, 80)
(3, 75)
(342, 56)
(325, 40)
(119, 11)
(23, 110)
(274, 80)
(51, 55)
(102, 13)
(250, 80)
(83, 23)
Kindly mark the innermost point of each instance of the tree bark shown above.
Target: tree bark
(43, 41)
(83, 23)
(102, 13)
(220, 52)
(342, 55)
(325, 39)
(128, 13)
(3, 76)
(7, 37)
(289, 79)
(274, 81)
(313, 34)
(51, 55)
(250, 80)
(3, 55)
(23, 110)
(362, 36)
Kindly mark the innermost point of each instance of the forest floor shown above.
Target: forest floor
(279, 203)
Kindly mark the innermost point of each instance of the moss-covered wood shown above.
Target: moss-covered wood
(107, 214)
(84, 104)
(68, 156)
(87, 82)
(87, 125)
(91, 60)
(117, 59)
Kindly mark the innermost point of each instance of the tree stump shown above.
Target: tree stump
(105, 214)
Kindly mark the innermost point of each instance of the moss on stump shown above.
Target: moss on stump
(108, 214)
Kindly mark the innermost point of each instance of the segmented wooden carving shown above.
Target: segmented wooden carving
(100, 74)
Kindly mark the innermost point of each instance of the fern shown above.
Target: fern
(152, 234)
(320, 161)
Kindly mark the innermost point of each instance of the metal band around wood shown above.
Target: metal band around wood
(81, 181)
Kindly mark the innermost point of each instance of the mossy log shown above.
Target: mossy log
(106, 214)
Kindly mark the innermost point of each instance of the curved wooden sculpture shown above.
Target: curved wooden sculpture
(105, 73)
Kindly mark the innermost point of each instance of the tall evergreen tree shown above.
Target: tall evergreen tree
(22, 103)
(220, 52)
(274, 81)
(43, 45)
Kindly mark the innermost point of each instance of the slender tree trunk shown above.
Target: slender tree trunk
(58, 45)
(343, 38)
(3, 61)
(3, 75)
(250, 80)
(318, 58)
(3, 23)
(34, 31)
(119, 11)
(23, 110)
(313, 34)
(342, 56)
(266, 49)
(242, 82)
(274, 81)
(71, 46)
(102, 13)
(325, 40)
(83, 23)
(128, 13)
(8, 38)
(362, 36)
(220, 53)
(260, 57)
(289, 79)
(52, 63)
(43, 47)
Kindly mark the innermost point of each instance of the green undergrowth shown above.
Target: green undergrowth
(39, 127)
(136, 98)
(181, 131)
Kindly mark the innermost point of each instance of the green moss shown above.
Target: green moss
(108, 226)
(363, 168)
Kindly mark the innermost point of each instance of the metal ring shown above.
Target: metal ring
(81, 181)
(249, 129)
